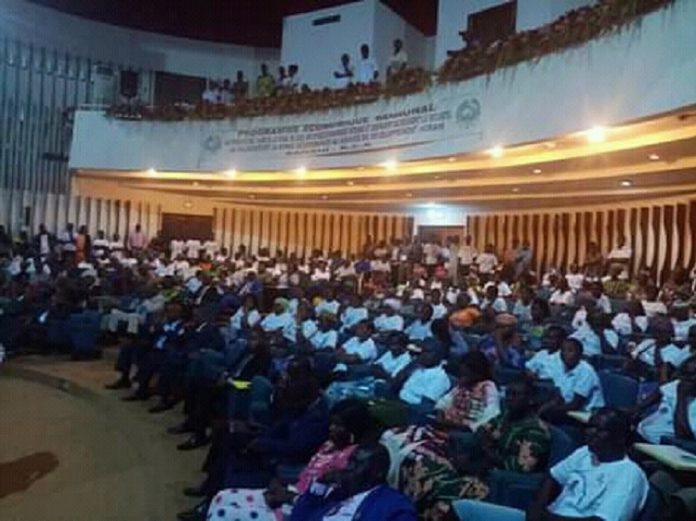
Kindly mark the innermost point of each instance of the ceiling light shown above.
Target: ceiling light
(231, 173)
(325, 197)
(390, 165)
(596, 134)
(361, 168)
(196, 183)
(626, 183)
(350, 183)
(515, 189)
(302, 170)
(436, 177)
(252, 196)
(451, 159)
(188, 204)
(654, 157)
(409, 194)
(550, 145)
(536, 171)
(496, 152)
(151, 171)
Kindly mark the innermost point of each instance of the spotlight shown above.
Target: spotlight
(515, 190)
(536, 171)
(231, 173)
(654, 157)
(596, 134)
(151, 171)
(390, 165)
(301, 170)
(626, 183)
(451, 159)
(496, 152)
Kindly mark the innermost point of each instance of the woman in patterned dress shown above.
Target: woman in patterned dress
(350, 425)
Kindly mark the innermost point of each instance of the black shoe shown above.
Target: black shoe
(193, 443)
(121, 383)
(135, 397)
(161, 407)
(197, 513)
(194, 492)
(182, 428)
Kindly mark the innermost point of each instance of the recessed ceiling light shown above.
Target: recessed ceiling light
(515, 189)
(302, 170)
(626, 183)
(231, 173)
(361, 168)
(437, 177)
(252, 196)
(196, 183)
(550, 145)
(596, 134)
(451, 159)
(324, 197)
(188, 204)
(151, 171)
(536, 171)
(654, 157)
(390, 165)
(409, 194)
(350, 183)
(496, 152)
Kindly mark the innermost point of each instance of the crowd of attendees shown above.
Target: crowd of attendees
(286, 93)
(414, 380)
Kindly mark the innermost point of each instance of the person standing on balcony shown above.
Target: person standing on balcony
(344, 74)
(240, 88)
(265, 83)
(367, 67)
(399, 60)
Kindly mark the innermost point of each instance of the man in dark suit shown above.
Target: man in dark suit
(150, 356)
(202, 333)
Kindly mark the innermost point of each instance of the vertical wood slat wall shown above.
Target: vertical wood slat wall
(294, 231)
(662, 235)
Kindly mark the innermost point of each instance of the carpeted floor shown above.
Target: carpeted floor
(71, 451)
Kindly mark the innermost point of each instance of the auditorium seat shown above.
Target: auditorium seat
(619, 390)
(517, 489)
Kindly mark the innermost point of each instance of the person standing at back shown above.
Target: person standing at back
(367, 67)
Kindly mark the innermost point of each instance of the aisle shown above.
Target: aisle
(80, 454)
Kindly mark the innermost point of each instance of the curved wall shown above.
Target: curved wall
(647, 69)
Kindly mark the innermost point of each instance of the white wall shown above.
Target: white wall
(318, 49)
(49, 28)
(388, 26)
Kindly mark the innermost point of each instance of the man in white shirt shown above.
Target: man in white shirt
(367, 70)
(675, 415)
(398, 60)
(344, 75)
(547, 364)
(597, 482)
(620, 257)
(487, 262)
(360, 349)
(467, 255)
(428, 381)
(578, 385)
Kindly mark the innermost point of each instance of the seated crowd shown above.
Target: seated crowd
(410, 381)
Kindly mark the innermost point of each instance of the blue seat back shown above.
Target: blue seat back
(561, 447)
(619, 390)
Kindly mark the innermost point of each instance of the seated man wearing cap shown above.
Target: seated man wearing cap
(280, 322)
(597, 482)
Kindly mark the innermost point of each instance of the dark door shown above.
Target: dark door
(183, 226)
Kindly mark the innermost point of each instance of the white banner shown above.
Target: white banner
(388, 126)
